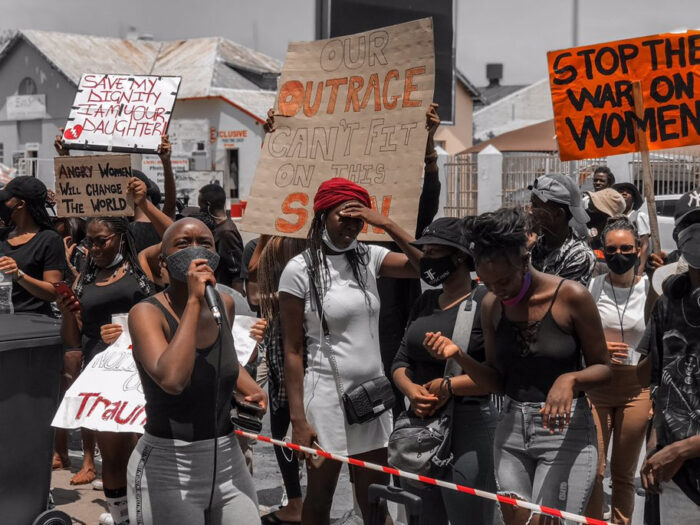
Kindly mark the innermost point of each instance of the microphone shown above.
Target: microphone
(210, 297)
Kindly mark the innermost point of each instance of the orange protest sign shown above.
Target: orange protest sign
(593, 102)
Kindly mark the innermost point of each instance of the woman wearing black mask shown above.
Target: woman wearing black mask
(621, 408)
(31, 252)
(189, 369)
(447, 263)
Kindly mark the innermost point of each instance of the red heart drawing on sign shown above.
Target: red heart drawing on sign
(73, 133)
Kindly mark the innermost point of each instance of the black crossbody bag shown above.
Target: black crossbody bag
(366, 401)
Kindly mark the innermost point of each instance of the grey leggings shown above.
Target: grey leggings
(169, 481)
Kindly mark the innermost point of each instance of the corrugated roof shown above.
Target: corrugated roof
(208, 66)
(491, 94)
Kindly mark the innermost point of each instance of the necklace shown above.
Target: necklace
(621, 317)
(685, 317)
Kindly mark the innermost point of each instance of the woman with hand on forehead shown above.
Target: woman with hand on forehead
(539, 330)
(335, 279)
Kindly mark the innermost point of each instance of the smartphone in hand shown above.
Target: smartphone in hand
(64, 289)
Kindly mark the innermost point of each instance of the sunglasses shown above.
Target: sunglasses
(623, 248)
(98, 242)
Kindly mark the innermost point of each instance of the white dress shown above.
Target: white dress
(353, 324)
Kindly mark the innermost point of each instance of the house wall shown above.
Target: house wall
(23, 60)
(458, 136)
(527, 106)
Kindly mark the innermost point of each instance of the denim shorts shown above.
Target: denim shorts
(555, 470)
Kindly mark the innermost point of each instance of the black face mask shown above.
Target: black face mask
(620, 263)
(434, 272)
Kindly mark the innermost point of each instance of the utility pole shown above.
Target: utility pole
(575, 24)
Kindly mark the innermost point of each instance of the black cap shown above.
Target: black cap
(687, 204)
(25, 188)
(637, 198)
(445, 231)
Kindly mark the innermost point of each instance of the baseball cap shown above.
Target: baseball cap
(559, 188)
(445, 231)
(608, 201)
(637, 199)
(687, 204)
(26, 188)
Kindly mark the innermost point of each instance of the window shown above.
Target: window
(233, 173)
(27, 87)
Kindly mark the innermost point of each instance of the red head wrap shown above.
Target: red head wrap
(338, 190)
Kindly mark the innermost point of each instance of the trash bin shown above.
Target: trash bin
(31, 359)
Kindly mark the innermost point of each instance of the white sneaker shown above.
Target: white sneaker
(97, 485)
(106, 519)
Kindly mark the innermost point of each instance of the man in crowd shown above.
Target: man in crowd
(603, 178)
(556, 202)
(672, 342)
(229, 244)
(633, 203)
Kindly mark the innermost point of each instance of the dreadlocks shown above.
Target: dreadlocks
(357, 258)
(275, 256)
(118, 226)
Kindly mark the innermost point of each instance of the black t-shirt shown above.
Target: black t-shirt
(145, 235)
(44, 251)
(426, 316)
(674, 347)
(229, 246)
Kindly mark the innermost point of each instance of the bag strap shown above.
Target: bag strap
(317, 304)
(597, 286)
(461, 334)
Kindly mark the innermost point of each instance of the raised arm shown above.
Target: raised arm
(429, 202)
(170, 364)
(159, 220)
(164, 151)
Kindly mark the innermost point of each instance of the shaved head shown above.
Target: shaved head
(187, 227)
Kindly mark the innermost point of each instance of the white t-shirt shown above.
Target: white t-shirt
(633, 323)
(353, 323)
(641, 220)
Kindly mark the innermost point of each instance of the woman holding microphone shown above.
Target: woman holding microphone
(189, 370)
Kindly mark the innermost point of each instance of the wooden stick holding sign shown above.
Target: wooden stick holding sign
(647, 175)
(93, 186)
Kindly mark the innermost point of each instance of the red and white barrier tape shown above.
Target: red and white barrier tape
(430, 481)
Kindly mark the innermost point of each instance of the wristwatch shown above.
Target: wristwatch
(20, 275)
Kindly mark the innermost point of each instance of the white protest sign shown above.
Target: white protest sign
(121, 112)
(108, 396)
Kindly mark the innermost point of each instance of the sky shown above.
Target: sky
(517, 33)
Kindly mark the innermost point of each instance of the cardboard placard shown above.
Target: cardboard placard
(121, 112)
(593, 102)
(93, 186)
(351, 107)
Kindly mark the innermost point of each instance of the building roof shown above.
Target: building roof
(491, 94)
(209, 67)
(536, 137)
(476, 94)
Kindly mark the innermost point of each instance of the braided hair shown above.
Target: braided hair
(37, 210)
(620, 222)
(358, 259)
(275, 256)
(88, 271)
(496, 234)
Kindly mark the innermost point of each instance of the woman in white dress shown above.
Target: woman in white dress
(346, 272)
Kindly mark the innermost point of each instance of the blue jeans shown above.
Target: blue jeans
(556, 470)
(472, 445)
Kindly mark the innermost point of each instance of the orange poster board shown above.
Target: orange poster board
(592, 95)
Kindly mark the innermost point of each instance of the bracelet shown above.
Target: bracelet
(431, 157)
(448, 382)
(19, 276)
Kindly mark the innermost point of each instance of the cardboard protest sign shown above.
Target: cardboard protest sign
(351, 107)
(108, 396)
(593, 98)
(93, 186)
(121, 112)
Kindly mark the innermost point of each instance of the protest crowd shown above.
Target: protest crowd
(522, 351)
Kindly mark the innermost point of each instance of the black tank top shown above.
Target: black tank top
(532, 358)
(189, 416)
